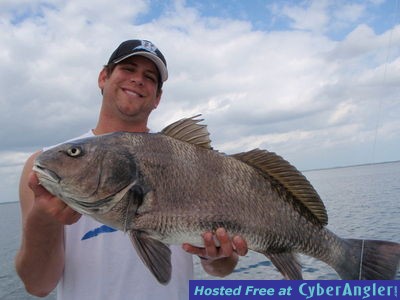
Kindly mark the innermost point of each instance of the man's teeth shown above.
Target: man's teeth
(132, 93)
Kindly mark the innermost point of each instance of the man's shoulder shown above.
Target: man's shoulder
(85, 135)
(82, 136)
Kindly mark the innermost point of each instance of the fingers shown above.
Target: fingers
(211, 250)
(33, 183)
(240, 245)
(218, 245)
(50, 205)
(194, 250)
(69, 216)
(226, 247)
(65, 214)
(62, 212)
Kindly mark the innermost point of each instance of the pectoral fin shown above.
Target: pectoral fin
(154, 254)
(287, 264)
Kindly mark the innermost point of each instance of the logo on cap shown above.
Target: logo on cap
(146, 45)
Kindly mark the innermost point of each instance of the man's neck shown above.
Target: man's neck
(108, 126)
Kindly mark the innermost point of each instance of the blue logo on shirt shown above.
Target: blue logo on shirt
(97, 231)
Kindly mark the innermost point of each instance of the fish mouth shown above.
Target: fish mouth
(51, 181)
(46, 174)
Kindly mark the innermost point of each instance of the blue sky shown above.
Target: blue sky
(269, 16)
(315, 81)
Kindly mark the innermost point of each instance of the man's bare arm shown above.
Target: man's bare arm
(40, 260)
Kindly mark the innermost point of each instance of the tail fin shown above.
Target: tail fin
(369, 260)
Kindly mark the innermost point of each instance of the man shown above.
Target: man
(88, 260)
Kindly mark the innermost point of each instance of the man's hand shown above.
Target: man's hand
(50, 205)
(219, 260)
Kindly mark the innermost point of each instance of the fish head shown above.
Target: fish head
(90, 175)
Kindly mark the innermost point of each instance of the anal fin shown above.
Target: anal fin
(287, 264)
(154, 254)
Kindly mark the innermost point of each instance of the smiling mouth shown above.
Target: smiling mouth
(133, 93)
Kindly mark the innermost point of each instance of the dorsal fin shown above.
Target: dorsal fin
(188, 130)
(288, 176)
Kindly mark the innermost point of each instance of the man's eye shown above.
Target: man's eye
(151, 78)
(129, 69)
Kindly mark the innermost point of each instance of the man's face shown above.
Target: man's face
(131, 89)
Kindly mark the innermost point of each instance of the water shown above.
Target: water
(362, 202)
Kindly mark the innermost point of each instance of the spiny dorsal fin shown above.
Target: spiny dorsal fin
(287, 175)
(188, 130)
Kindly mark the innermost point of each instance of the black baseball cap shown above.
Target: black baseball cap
(144, 48)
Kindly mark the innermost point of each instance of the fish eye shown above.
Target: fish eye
(74, 151)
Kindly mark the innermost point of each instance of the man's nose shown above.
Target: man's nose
(137, 78)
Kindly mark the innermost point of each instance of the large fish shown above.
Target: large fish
(170, 187)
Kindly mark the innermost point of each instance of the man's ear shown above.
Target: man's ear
(158, 99)
(102, 78)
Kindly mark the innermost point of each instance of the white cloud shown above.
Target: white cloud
(343, 112)
(11, 158)
(313, 17)
(295, 92)
(11, 164)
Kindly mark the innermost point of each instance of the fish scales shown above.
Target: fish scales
(174, 168)
(170, 187)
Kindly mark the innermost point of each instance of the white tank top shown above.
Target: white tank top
(101, 263)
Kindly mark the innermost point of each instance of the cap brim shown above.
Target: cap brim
(154, 58)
